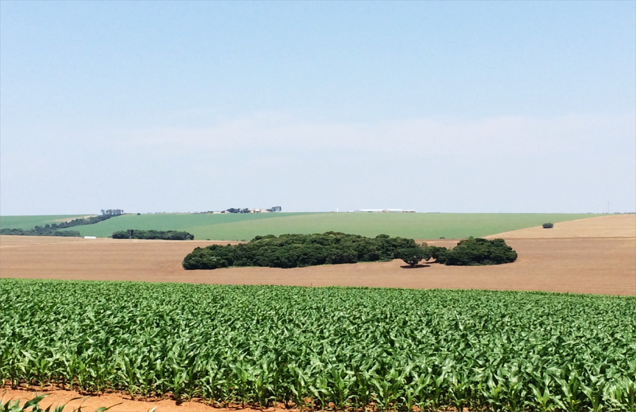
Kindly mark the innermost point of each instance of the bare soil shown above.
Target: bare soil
(619, 226)
(124, 403)
(596, 255)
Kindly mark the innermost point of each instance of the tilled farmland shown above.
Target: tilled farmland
(343, 348)
(576, 265)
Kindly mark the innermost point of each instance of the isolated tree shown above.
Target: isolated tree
(413, 256)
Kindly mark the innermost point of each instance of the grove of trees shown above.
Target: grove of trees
(289, 251)
(475, 252)
(40, 231)
(238, 210)
(468, 252)
(153, 234)
(246, 210)
(112, 212)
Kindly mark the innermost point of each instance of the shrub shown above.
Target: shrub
(471, 252)
(548, 225)
(294, 250)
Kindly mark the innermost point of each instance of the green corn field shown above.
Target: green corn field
(323, 348)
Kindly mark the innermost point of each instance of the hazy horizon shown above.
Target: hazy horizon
(453, 107)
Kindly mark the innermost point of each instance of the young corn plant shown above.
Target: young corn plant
(572, 395)
(594, 393)
(622, 395)
(387, 389)
(460, 390)
(33, 405)
(543, 399)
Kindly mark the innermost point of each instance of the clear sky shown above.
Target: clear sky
(449, 106)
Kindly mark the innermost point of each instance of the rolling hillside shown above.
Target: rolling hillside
(411, 225)
(29, 222)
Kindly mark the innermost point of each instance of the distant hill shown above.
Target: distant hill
(29, 222)
(246, 226)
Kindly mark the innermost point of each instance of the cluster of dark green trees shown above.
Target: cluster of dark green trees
(289, 251)
(238, 210)
(112, 212)
(468, 252)
(77, 222)
(40, 231)
(153, 234)
(246, 210)
(53, 229)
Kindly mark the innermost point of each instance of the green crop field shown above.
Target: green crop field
(334, 348)
(197, 224)
(246, 226)
(29, 222)
(409, 225)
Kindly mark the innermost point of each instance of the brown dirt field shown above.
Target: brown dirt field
(622, 226)
(578, 263)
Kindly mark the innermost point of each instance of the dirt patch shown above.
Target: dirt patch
(127, 404)
(585, 264)
(620, 226)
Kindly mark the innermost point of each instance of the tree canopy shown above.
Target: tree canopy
(475, 252)
(294, 250)
(289, 251)
(153, 234)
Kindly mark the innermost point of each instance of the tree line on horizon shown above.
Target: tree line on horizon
(54, 229)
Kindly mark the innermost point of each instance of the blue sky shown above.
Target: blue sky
(433, 106)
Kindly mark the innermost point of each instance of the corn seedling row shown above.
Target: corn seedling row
(323, 348)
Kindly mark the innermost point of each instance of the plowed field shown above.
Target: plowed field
(596, 255)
